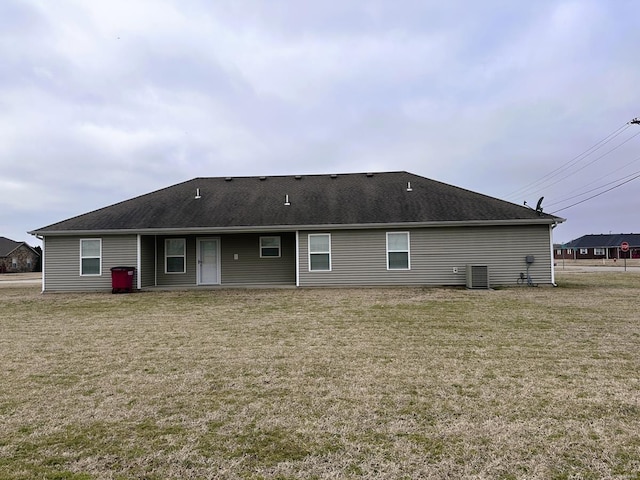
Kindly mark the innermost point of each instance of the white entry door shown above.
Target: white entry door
(208, 264)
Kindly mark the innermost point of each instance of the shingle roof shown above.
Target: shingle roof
(315, 200)
(7, 246)
(605, 240)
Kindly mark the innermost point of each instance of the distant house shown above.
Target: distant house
(603, 246)
(17, 257)
(392, 228)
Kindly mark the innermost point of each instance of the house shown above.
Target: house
(603, 246)
(392, 228)
(17, 257)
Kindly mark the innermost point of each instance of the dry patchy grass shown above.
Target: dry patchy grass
(360, 383)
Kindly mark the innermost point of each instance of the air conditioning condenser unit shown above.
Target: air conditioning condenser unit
(478, 276)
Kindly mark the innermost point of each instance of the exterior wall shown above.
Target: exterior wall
(147, 261)
(610, 252)
(187, 279)
(575, 253)
(62, 262)
(26, 260)
(590, 254)
(567, 253)
(249, 268)
(358, 257)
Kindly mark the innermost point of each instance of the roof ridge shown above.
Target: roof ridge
(294, 175)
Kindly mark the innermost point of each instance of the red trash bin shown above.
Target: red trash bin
(122, 279)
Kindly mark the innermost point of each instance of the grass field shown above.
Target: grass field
(319, 383)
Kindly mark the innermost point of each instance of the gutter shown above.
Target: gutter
(294, 228)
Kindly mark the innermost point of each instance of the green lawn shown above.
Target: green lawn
(321, 383)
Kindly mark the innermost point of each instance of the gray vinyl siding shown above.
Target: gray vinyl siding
(249, 268)
(147, 261)
(62, 262)
(358, 257)
(186, 279)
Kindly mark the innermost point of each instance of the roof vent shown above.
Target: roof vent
(286, 200)
(409, 189)
(262, 179)
(369, 174)
(298, 177)
(333, 175)
(228, 179)
(197, 197)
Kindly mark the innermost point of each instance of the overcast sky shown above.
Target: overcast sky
(101, 101)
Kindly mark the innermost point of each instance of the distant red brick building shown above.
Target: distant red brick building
(603, 246)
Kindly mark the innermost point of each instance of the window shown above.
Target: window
(174, 255)
(559, 252)
(91, 256)
(320, 252)
(584, 251)
(14, 262)
(398, 251)
(269, 247)
(599, 251)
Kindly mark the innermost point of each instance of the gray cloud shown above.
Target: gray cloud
(102, 101)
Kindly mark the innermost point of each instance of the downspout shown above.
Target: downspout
(553, 267)
(139, 263)
(155, 260)
(297, 258)
(42, 259)
(42, 262)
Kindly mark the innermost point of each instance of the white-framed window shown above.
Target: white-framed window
(14, 262)
(269, 247)
(319, 252)
(584, 251)
(599, 251)
(91, 256)
(398, 251)
(558, 252)
(175, 255)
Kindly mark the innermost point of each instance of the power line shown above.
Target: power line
(626, 165)
(565, 199)
(598, 194)
(592, 161)
(574, 160)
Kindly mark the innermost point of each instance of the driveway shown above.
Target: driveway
(14, 279)
(593, 268)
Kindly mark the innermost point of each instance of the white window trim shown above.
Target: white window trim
(599, 251)
(408, 251)
(318, 253)
(584, 251)
(279, 247)
(99, 257)
(184, 257)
